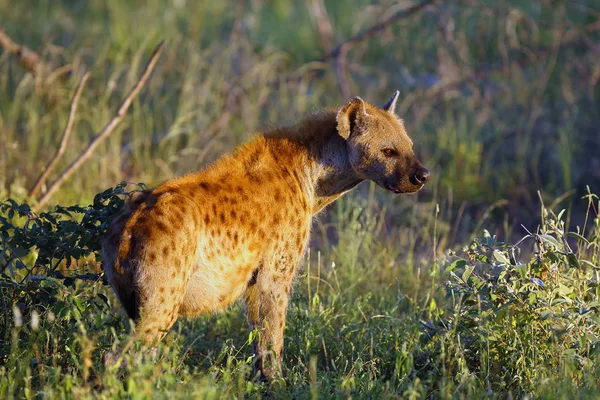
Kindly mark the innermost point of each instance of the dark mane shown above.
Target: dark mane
(314, 127)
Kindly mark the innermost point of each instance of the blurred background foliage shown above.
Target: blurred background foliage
(499, 96)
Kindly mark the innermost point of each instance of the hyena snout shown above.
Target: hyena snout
(420, 176)
(408, 181)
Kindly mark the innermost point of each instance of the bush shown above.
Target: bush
(44, 256)
(514, 324)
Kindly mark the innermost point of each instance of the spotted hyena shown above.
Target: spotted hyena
(239, 227)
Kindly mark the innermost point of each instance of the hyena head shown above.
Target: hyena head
(379, 148)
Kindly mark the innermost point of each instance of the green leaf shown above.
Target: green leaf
(546, 314)
(456, 264)
(79, 303)
(551, 240)
(104, 299)
(19, 252)
(522, 270)
(590, 264)
(467, 273)
(60, 309)
(483, 258)
(578, 237)
(76, 313)
(561, 300)
(573, 262)
(499, 256)
(532, 298)
(432, 306)
(552, 257)
(487, 238)
(564, 290)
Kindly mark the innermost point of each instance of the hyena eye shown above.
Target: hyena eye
(389, 152)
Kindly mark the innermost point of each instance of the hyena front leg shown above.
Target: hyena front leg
(266, 303)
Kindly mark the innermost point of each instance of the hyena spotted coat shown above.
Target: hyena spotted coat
(239, 228)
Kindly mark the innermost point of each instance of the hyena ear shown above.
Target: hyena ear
(390, 106)
(349, 116)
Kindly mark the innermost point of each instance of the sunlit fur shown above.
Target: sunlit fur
(239, 227)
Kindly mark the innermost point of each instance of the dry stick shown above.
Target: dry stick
(41, 180)
(572, 39)
(340, 53)
(342, 49)
(56, 274)
(29, 59)
(325, 29)
(377, 27)
(323, 23)
(341, 73)
(104, 133)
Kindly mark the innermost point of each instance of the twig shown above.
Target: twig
(341, 74)
(323, 23)
(29, 59)
(571, 39)
(325, 29)
(104, 133)
(65, 138)
(58, 275)
(338, 54)
(376, 28)
(434, 91)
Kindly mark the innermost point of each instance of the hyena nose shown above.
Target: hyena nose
(421, 176)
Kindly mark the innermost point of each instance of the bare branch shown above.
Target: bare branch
(84, 277)
(65, 139)
(341, 74)
(339, 53)
(376, 28)
(32, 62)
(569, 39)
(325, 29)
(104, 133)
(29, 59)
(323, 23)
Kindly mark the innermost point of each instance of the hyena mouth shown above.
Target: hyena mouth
(394, 189)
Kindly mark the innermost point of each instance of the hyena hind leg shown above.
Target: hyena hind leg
(156, 317)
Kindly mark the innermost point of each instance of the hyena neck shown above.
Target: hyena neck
(327, 167)
(332, 173)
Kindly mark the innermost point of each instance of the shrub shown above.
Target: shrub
(43, 256)
(513, 324)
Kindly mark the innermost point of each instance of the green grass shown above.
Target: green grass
(364, 321)
(375, 311)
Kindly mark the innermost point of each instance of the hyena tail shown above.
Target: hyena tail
(122, 280)
(129, 296)
(117, 246)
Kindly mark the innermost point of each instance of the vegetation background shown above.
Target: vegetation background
(399, 296)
